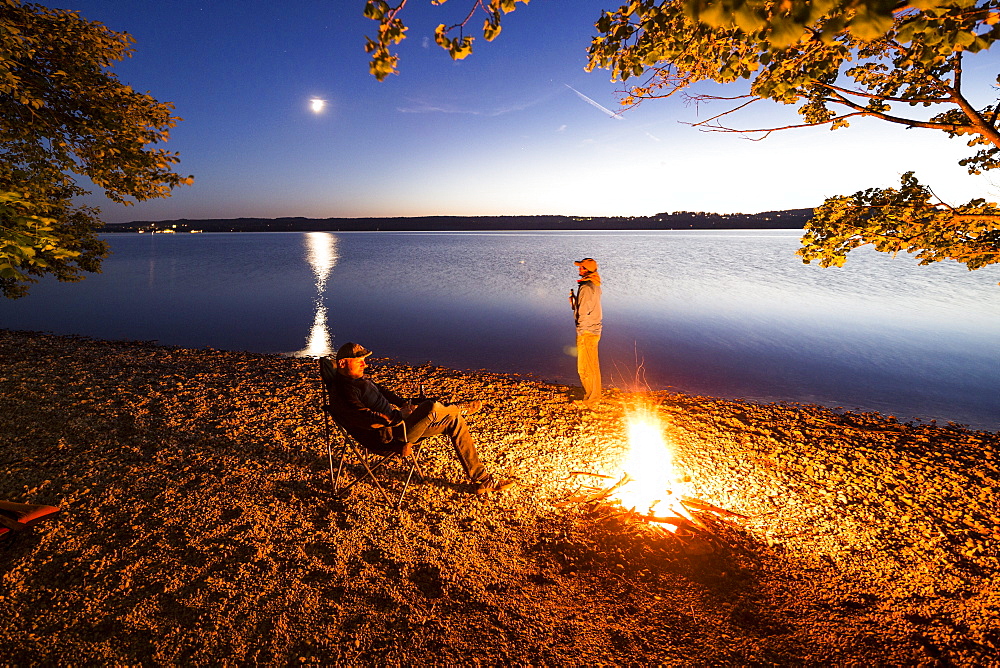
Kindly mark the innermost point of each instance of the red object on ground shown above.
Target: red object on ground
(19, 516)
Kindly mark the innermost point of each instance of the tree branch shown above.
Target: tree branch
(472, 10)
(908, 122)
(957, 88)
(886, 98)
(860, 111)
(725, 113)
(978, 123)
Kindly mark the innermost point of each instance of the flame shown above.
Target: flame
(651, 482)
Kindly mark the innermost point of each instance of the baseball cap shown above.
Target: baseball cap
(588, 263)
(349, 350)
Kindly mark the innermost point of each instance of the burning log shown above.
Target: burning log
(697, 504)
(595, 493)
(680, 511)
(678, 522)
(648, 490)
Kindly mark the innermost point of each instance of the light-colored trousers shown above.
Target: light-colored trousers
(431, 418)
(588, 366)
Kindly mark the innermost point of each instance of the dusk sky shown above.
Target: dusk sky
(517, 128)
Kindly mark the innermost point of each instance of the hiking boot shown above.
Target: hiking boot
(493, 484)
(470, 407)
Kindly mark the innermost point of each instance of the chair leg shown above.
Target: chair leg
(336, 477)
(414, 468)
(340, 469)
(406, 485)
(371, 472)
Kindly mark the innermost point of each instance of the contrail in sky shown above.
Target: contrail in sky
(617, 117)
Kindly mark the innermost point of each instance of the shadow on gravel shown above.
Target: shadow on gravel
(717, 585)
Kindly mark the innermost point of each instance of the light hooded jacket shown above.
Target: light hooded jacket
(588, 307)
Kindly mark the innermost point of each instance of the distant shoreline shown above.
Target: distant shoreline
(679, 220)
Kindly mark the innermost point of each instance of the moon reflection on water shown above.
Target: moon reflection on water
(321, 252)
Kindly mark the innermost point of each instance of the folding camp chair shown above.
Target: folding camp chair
(372, 461)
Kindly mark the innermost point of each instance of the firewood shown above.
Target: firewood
(678, 522)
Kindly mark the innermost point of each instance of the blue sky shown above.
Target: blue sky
(519, 128)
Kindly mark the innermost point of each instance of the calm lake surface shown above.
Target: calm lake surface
(722, 313)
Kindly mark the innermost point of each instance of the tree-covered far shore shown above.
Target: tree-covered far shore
(678, 220)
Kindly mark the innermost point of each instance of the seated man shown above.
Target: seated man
(370, 412)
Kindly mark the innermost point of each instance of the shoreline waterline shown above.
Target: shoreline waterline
(730, 314)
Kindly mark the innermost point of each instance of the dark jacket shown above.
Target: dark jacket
(367, 411)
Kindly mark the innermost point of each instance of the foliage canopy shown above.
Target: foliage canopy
(63, 113)
(835, 60)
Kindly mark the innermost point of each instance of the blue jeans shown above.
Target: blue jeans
(432, 418)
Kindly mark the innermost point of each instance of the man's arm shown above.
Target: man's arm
(391, 396)
(586, 300)
(360, 408)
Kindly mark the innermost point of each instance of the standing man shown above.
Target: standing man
(586, 303)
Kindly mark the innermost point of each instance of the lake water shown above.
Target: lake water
(722, 313)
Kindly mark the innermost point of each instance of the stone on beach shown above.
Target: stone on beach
(197, 526)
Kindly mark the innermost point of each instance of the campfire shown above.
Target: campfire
(647, 485)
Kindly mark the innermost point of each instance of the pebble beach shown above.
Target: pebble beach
(198, 526)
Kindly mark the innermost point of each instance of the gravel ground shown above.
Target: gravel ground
(198, 527)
